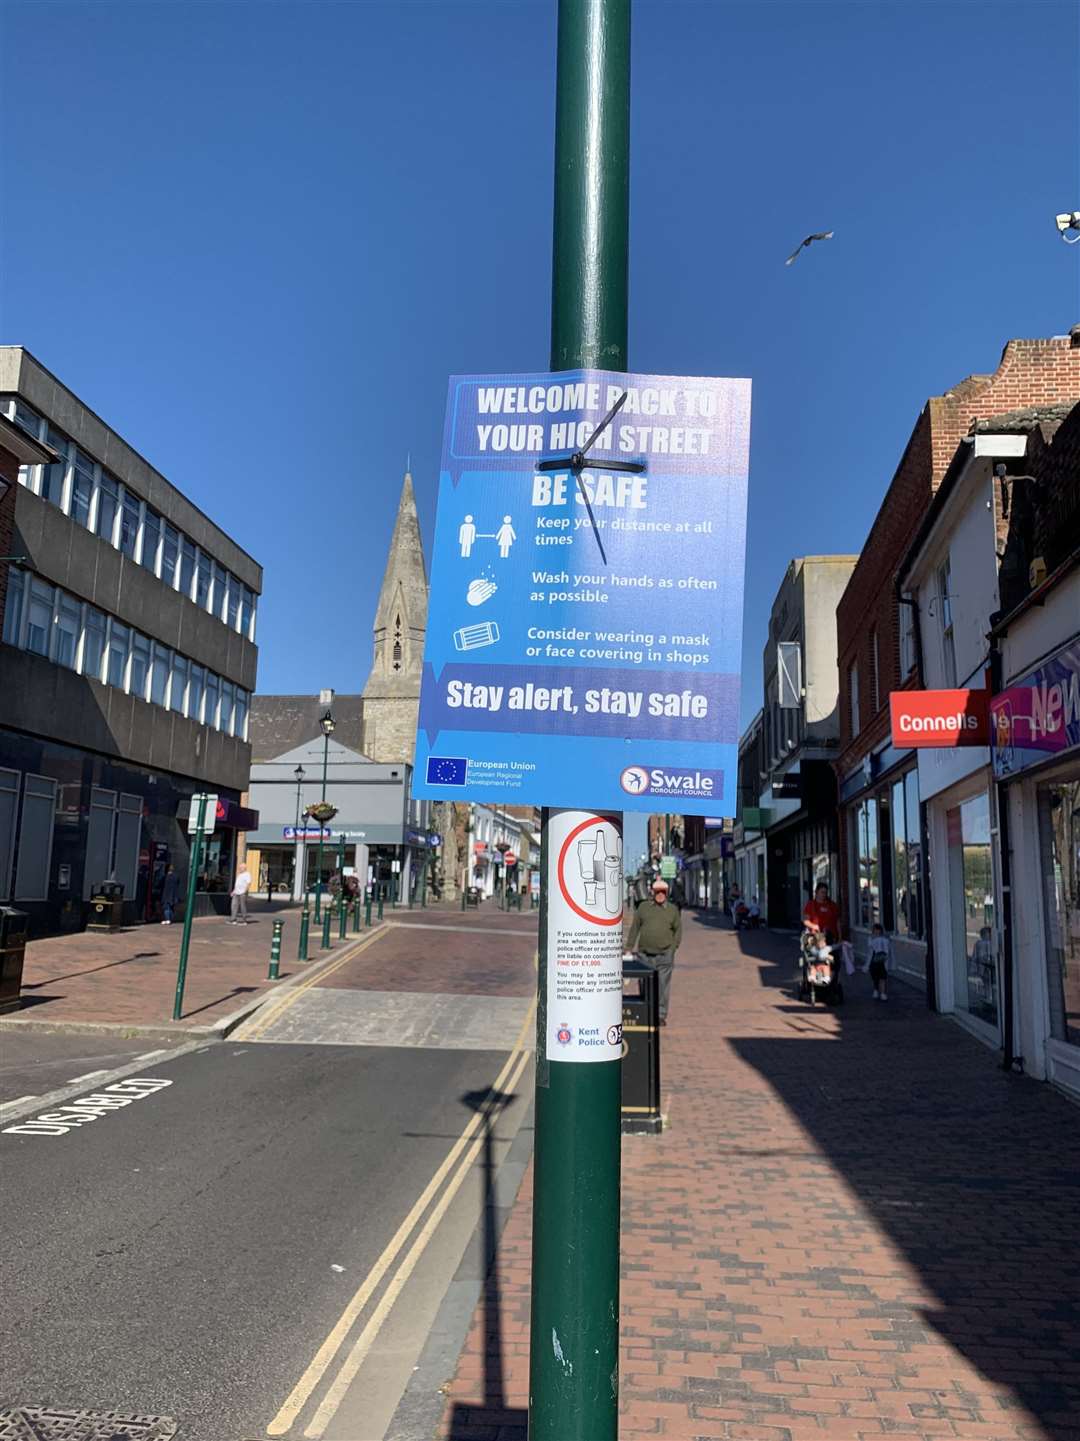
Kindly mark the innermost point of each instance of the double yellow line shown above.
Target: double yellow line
(261, 1022)
(465, 1149)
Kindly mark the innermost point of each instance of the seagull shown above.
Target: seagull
(821, 235)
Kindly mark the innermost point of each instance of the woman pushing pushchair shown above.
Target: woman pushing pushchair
(819, 948)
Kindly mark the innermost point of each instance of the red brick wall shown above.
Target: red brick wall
(9, 471)
(1031, 372)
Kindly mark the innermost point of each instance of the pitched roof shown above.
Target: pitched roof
(279, 723)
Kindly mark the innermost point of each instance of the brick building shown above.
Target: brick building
(878, 784)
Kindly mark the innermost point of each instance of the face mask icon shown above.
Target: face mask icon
(475, 637)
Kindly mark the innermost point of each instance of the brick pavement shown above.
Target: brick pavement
(129, 977)
(856, 1226)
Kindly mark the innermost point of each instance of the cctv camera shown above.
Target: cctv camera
(1070, 220)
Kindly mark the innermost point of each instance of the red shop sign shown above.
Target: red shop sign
(940, 718)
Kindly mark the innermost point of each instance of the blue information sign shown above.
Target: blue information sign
(585, 625)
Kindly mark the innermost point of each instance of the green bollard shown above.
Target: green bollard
(305, 920)
(367, 909)
(275, 951)
(326, 929)
(380, 905)
(464, 893)
(343, 916)
(356, 914)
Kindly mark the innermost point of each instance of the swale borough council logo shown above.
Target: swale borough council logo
(634, 780)
(564, 1035)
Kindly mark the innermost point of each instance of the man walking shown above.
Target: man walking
(240, 890)
(655, 933)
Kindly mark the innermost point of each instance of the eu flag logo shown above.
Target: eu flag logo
(446, 770)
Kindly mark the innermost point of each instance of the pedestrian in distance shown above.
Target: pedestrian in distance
(734, 901)
(170, 894)
(880, 961)
(655, 933)
(238, 904)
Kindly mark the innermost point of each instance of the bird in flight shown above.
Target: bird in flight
(821, 235)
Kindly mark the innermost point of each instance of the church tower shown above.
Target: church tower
(392, 692)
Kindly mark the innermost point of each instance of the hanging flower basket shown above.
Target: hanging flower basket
(321, 811)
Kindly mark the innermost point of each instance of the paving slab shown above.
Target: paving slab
(329, 1016)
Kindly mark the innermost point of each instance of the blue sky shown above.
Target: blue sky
(258, 237)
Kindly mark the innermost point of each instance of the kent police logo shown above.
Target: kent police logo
(564, 1035)
(634, 780)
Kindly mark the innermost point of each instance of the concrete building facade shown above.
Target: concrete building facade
(128, 660)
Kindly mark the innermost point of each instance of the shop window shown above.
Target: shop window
(1059, 844)
(126, 848)
(971, 892)
(867, 897)
(35, 839)
(948, 646)
(99, 837)
(9, 805)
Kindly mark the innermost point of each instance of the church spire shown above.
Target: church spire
(391, 695)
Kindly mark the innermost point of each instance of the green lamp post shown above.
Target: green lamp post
(320, 811)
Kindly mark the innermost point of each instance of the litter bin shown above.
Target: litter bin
(641, 1049)
(13, 928)
(106, 906)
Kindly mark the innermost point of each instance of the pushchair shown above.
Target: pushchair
(819, 977)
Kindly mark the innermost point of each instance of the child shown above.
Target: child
(880, 961)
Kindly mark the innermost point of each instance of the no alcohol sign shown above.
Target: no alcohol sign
(585, 912)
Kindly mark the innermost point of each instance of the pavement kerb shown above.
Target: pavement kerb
(218, 1031)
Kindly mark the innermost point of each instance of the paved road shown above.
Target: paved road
(33, 1063)
(179, 1257)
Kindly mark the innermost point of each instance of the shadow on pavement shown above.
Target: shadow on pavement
(228, 996)
(972, 1174)
(89, 971)
(492, 1417)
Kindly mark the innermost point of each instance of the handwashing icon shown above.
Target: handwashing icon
(600, 871)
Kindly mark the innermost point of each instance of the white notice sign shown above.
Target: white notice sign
(585, 936)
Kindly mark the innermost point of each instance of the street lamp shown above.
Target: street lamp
(300, 850)
(327, 724)
(502, 847)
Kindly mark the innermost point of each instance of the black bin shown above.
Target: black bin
(13, 931)
(641, 1049)
(106, 906)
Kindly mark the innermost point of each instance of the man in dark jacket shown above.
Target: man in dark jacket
(170, 894)
(655, 933)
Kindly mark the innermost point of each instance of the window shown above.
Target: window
(151, 535)
(948, 648)
(216, 604)
(129, 524)
(232, 602)
(108, 506)
(909, 615)
(159, 675)
(68, 626)
(178, 687)
(140, 665)
(867, 897)
(1059, 844)
(202, 580)
(13, 613)
(971, 893)
(27, 419)
(187, 567)
(247, 612)
(126, 844)
(93, 651)
(240, 714)
(82, 488)
(39, 620)
(875, 673)
(228, 700)
(35, 839)
(195, 692)
(210, 716)
(52, 476)
(170, 553)
(116, 655)
(853, 698)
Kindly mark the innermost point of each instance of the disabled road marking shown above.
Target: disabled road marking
(89, 1108)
